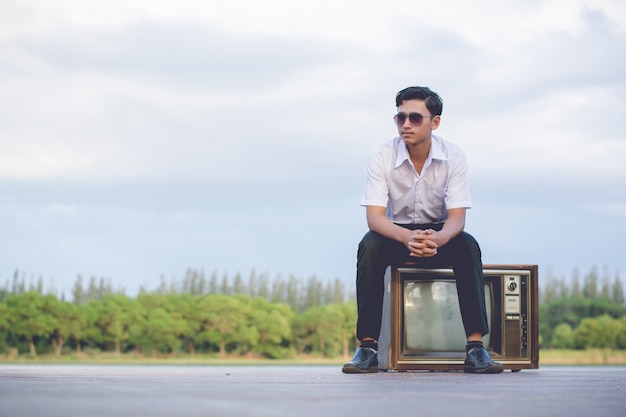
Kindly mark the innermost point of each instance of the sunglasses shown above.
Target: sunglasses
(416, 119)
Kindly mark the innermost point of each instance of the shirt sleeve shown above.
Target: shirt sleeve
(376, 191)
(458, 189)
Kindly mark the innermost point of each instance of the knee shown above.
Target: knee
(371, 243)
(466, 243)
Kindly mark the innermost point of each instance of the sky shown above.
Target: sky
(140, 138)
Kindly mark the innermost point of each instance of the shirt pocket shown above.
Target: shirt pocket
(434, 201)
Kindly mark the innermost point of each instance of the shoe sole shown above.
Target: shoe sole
(492, 369)
(355, 370)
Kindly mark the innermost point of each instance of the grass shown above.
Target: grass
(104, 358)
(582, 357)
(546, 357)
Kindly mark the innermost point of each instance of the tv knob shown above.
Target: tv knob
(512, 286)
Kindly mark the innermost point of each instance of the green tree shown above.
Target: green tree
(620, 339)
(182, 308)
(590, 286)
(313, 294)
(293, 293)
(75, 325)
(238, 285)
(279, 290)
(331, 333)
(348, 327)
(272, 322)
(605, 287)
(334, 292)
(69, 322)
(563, 337)
(320, 329)
(114, 315)
(92, 289)
(548, 291)
(195, 316)
(4, 291)
(617, 295)
(224, 322)
(600, 332)
(97, 289)
(576, 286)
(225, 286)
(213, 283)
(78, 292)
(18, 285)
(4, 325)
(253, 284)
(27, 318)
(190, 282)
(576, 291)
(194, 282)
(263, 290)
(39, 286)
(156, 331)
(572, 311)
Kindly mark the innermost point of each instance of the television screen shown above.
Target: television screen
(432, 318)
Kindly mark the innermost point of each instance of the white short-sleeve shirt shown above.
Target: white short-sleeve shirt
(411, 198)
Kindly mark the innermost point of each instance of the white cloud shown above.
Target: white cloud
(141, 89)
(564, 136)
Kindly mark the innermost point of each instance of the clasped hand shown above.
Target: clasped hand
(421, 243)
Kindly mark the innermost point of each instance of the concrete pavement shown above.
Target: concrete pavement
(233, 391)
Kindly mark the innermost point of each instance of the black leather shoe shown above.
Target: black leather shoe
(365, 360)
(478, 361)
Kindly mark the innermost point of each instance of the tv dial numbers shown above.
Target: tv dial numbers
(512, 306)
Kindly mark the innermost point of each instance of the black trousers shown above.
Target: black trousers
(377, 252)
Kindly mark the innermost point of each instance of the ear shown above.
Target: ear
(434, 122)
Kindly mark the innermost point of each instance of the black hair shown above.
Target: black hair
(433, 102)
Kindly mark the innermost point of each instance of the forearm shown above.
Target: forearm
(377, 222)
(453, 226)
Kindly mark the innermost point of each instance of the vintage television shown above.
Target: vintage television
(422, 328)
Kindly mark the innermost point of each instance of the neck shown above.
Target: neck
(418, 158)
(419, 151)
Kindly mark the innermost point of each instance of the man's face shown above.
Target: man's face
(412, 128)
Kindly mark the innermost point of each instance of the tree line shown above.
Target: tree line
(297, 293)
(225, 315)
(584, 311)
(157, 324)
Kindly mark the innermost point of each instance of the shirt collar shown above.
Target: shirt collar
(436, 151)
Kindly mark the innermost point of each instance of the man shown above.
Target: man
(416, 195)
